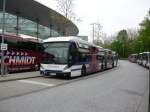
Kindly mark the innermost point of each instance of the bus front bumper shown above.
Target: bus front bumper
(53, 73)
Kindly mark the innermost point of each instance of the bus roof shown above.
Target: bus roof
(60, 39)
(146, 52)
(22, 37)
(70, 38)
(31, 38)
(108, 50)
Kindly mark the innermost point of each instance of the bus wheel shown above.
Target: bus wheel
(83, 71)
(112, 65)
(67, 76)
(102, 67)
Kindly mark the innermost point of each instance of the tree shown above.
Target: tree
(122, 43)
(66, 7)
(142, 42)
(132, 40)
(144, 33)
(132, 33)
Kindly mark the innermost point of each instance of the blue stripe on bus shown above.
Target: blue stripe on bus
(76, 69)
(81, 63)
(53, 71)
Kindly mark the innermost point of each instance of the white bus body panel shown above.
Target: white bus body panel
(74, 70)
(53, 67)
(144, 62)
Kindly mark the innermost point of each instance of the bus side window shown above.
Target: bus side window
(100, 58)
(83, 57)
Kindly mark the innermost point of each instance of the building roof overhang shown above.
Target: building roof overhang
(34, 11)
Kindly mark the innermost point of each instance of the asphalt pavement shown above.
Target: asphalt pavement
(123, 89)
(18, 76)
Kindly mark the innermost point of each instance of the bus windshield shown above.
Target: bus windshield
(56, 53)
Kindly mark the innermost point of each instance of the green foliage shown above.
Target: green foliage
(120, 45)
(144, 34)
(125, 46)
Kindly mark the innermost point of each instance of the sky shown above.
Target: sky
(113, 15)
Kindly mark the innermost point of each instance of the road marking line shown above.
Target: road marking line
(36, 83)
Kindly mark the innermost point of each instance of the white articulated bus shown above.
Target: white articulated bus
(133, 58)
(141, 58)
(145, 56)
(70, 56)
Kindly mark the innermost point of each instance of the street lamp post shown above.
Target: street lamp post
(93, 31)
(99, 27)
(3, 34)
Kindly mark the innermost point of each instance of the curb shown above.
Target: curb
(7, 80)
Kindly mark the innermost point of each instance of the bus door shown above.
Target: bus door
(100, 58)
(73, 55)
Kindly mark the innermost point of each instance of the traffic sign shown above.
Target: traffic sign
(4, 46)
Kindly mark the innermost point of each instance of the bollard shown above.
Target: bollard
(5, 71)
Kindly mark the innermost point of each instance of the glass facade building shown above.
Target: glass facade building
(35, 20)
(26, 27)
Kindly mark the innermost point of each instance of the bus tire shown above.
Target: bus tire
(112, 65)
(102, 67)
(67, 76)
(83, 71)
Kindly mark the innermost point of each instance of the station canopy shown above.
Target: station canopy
(34, 11)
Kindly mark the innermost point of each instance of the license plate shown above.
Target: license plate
(53, 74)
